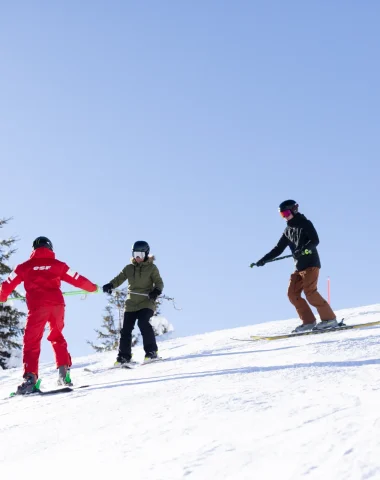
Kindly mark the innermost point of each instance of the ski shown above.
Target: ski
(154, 360)
(53, 391)
(130, 366)
(43, 392)
(340, 328)
(126, 366)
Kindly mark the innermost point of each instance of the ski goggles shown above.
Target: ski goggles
(139, 254)
(286, 213)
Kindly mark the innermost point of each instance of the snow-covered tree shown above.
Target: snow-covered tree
(161, 325)
(109, 335)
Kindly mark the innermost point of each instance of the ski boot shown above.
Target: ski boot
(304, 327)
(30, 385)
(151, 357)
(64, 376)
(124, 362)
(326, 324)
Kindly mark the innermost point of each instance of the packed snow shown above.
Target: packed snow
(216, 408)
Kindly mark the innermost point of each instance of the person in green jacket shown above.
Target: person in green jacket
(144, 286)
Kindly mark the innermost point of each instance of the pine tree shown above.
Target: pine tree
(160, 324)
(158, 307)
(109, 337)
(10, 318)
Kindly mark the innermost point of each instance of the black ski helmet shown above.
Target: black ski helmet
(141, 246)
(291, 205)
(40, 242)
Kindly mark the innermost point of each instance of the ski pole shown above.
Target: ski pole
(81, 292)
(164, 297)
(274, 260)
(73, 292)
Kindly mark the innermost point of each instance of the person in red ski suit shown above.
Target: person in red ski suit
(42, 275)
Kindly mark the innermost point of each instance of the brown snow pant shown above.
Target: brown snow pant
(307, 280)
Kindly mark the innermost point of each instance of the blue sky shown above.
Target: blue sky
(186, 124)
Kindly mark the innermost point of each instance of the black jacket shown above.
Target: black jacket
(298, 235)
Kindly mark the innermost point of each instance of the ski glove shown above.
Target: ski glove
(107, 288)
(154, 294)
(260, 263)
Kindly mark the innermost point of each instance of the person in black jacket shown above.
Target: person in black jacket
(302, 239)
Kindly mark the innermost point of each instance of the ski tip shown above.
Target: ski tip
(56, 391)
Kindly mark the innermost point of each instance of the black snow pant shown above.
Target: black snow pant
(149, 339)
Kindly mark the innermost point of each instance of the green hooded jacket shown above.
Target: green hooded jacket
(142, 278)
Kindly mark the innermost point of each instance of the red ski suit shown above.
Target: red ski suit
(42, 275)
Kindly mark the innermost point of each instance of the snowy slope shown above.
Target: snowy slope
(216, 409)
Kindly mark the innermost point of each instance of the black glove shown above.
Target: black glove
(260, 263)
(154, 294)
(297, 253)
(107, 288)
